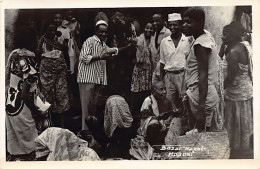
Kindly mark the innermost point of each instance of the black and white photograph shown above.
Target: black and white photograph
(129, 83)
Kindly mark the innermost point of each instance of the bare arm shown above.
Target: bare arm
(232, 69)
(162, 72)
(183, 86)
(202, 55)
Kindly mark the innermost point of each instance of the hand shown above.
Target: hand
(112, 51)
(182, 94)
(106, 56)
(133, 42)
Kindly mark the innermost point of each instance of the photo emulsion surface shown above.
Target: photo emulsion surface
(132, 83)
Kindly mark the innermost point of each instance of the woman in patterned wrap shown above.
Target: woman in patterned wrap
(53, 71)
(21, 84)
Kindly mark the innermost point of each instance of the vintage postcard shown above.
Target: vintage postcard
(129, 84)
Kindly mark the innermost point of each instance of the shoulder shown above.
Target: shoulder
(167, 32)
(238, 51)
(204, 41)
(166, 39)
(147, 100)
(239, 48)
(89, 40)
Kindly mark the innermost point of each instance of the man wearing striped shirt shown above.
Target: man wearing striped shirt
(92, 69)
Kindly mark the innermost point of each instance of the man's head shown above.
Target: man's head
(159, 90)
(158, 22)
(101, 30)
(174, 23)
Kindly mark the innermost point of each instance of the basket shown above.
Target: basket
(205, 145)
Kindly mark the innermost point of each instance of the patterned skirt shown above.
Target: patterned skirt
(141, 79)
(54, 84)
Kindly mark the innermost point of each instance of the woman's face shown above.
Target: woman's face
(58, 19)
(101, 32)
(190, 26)
(226, 38)
(148, 30)
(51, 31)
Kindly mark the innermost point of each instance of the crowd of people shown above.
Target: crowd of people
(171, 69)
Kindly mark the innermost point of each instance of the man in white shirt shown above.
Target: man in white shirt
(173, 50)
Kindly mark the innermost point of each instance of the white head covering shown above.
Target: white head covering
(101, 22)
(174, 17)
(117, 114)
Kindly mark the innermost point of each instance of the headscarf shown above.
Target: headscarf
(21, 53)
(117, 114)
(63, 145)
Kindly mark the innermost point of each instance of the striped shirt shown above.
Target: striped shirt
(92, 71)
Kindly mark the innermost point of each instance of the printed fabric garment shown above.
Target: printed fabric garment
(20, 125)
(142, 73)
(63, 145)
(53, 72)
(140, 149)
(239, 108)
(117, 114)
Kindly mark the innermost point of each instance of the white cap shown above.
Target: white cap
(101, 22)
(174, 17)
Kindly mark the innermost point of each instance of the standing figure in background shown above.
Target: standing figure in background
(201, 72)
(173, 50)
(74, 41)
(73, 51)
(238, 86)
(53, 72)
(142, 73)
(121, 32)
(160, 32)
(63, 36)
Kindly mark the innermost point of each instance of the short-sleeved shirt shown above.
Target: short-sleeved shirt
(192, 75)
(174, 57)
